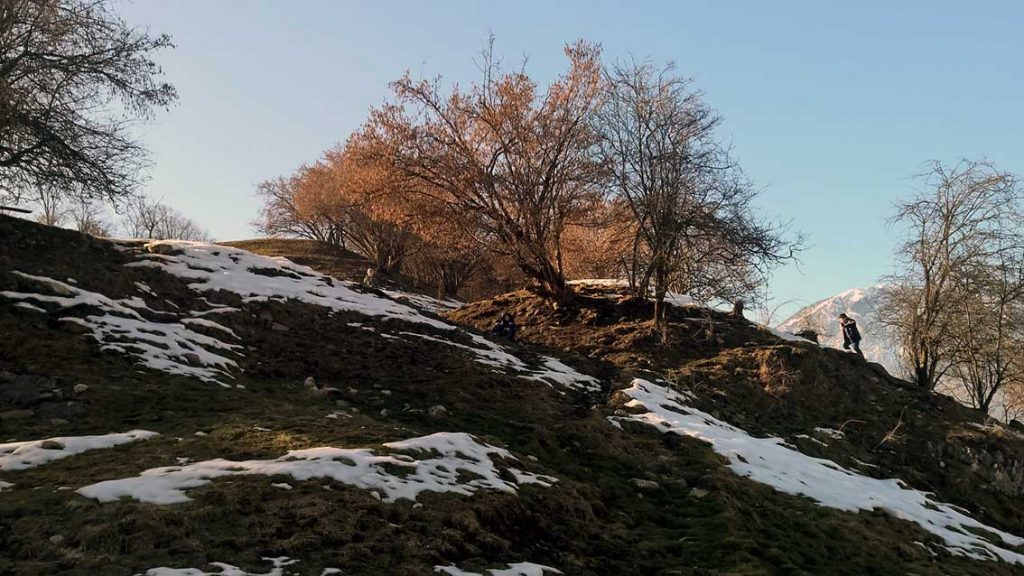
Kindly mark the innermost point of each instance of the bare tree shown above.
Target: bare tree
(695, 229)
(1013, 403)
(88, 217)
(966, 219)
(987, 345)
(519, 162)
(290, 210)
(146, 218)
(74, 78)
(52, 209)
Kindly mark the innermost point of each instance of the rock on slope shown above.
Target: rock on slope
(155, 421)
(860, 304)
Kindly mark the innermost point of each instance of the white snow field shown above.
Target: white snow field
(517, 569)
(770, 461)
(279, 564)
(210, 268)
(29, 454)
(439, 460)
(170, 347)
(435, 305)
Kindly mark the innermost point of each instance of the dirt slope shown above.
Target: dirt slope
(99, 337)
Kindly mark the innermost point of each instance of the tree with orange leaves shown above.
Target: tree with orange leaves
(517, 162)
(600, 244)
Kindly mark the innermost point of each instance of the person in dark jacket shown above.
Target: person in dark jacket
(851, 336)
(506, 327)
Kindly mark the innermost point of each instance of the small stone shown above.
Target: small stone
(192, 358)
(80, 388)
(438, 411)
(278, 327)
(57, 539)
(384, 412)
(698, 492)
(51, 445)
(341, 403)
(58, 421)
(386, 392)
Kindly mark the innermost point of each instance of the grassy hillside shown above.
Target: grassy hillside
(437, 446)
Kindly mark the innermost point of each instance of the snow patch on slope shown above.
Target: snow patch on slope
(118, 326)
(223, 569)
(443, 458)
(23, 455)
(257, 278)
(434, 305)
(770, 461)
(517, 569)
(260, 278)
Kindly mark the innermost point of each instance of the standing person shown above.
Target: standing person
(851, 336)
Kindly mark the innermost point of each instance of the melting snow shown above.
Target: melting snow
(442, 459)
(830, 432)
(23, 455)
(253, 277)
(261, 278)
(427, 303)
(31, 307)
(770, 461)
(223, 569)
(518, 569)
(164, 346)
(209, 324)
(5, 485)
(787, 336)
(176, 348)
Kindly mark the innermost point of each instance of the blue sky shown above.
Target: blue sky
(832, 107)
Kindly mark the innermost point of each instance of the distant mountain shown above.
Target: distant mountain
(860, 304)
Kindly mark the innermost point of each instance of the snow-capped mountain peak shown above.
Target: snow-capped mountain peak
(860, 304)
